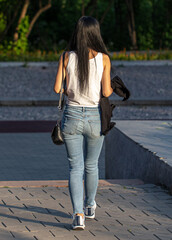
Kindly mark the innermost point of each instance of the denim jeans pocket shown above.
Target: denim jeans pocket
(69, 125)
(95, 126)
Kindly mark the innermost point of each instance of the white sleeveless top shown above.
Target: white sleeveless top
(88, 98)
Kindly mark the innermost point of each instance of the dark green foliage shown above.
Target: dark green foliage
(53, 28)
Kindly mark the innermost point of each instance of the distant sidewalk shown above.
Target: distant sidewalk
(114, 63)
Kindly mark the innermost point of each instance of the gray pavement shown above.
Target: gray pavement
(144, 82)
(119, 113)
(124, 212)
(33, 156)
(114, 63)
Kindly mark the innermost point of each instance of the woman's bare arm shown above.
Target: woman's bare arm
(58, 81)
(106, 79)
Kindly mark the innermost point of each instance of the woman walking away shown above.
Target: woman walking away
(86, 68)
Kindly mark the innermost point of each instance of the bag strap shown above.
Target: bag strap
(60, 106)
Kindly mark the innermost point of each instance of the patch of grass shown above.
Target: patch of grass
(39, 56)
(36, 56)
(142, 55)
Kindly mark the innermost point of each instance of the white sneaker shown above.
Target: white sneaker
(78, 222)
(90, 211)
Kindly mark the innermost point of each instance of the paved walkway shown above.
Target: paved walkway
(124, 212)
(33, 156)
(114, 63)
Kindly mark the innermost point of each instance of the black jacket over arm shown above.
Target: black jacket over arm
(106, 108)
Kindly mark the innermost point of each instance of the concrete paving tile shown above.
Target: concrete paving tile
(162, 231)
(33, 226)
(50, 234)
(110, 226)
(43, 217)
(82, 236)
(9, 202)
(143, 236)
(16, 227)
(5, 235)
(163, 237)
(11, 235)
(5, 210)
(103, 234)
(123, 235)
(22, 205)
(163, 196)
(9, 221)
(169, 228)
(25, 235)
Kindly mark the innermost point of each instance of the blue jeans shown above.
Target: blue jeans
(81, 128)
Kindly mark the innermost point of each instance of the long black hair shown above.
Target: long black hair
(86, 36)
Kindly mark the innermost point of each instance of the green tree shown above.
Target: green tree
(129, 24)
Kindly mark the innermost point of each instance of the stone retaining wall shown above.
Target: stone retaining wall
(126, 159)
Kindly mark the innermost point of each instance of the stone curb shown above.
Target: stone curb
(25, 103)
(64, 183)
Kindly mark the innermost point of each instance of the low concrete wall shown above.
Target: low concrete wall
(125, 158)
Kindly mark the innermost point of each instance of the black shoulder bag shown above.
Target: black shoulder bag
(56, 134)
